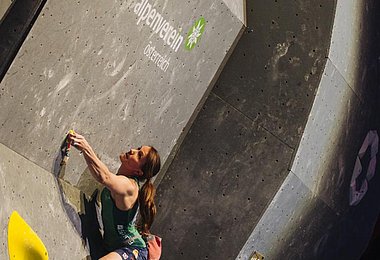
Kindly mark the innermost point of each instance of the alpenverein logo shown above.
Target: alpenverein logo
(195, 33)
(159, 25)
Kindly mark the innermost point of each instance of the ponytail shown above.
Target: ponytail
(148, 191)
(147, 206)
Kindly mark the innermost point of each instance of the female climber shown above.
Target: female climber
(121, 198)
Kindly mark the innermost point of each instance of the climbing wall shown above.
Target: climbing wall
(241, 146)
(4, 5)
(325, 209)
(123, 73)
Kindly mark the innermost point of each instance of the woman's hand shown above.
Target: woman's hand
(78, 141)
(119, 185)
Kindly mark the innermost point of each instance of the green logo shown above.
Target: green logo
(195, 33)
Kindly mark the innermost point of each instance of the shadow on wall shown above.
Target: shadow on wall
(82, 210)
(91, 230)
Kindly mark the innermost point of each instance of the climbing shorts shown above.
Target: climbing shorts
(133, 253)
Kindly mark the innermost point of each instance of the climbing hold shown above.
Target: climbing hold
(65, 148)
(23, 242)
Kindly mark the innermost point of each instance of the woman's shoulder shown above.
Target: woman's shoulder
(135, 180)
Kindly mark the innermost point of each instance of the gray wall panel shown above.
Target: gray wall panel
(220, 182)
(238, 8)
(268, 85)
(83, 66)
(321, 223)
(34, 194)
(352, 41)
(283, 53)
(299, 225)
(4, 5)
(287, 215)
(333, 108)
(337, 126)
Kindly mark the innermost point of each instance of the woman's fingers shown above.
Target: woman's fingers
(77, 144)
(76, 139)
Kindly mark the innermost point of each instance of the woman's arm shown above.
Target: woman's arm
(117, 184)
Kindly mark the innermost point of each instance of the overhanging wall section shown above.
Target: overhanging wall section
(110, 73)
(239, 149)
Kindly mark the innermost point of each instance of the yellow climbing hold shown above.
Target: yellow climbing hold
(23, 242)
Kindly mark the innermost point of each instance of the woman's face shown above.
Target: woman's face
(133, 160)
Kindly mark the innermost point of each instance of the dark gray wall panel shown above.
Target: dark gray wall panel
(268, 85)
(337, 126)
(345, 109)
(275, 70)
(310, 229)
(15, 25)
(224, 175)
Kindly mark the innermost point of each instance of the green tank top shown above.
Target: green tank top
(119, 225)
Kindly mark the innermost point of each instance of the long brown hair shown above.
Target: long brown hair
(148, 191)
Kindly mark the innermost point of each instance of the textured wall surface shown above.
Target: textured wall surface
(241, 146)
(265, 166)
(4, 5)
(123, 73)
(14, 27)
(238, 8)
(35, 194)
(310, 216)
(222, 178)
(94, 68)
